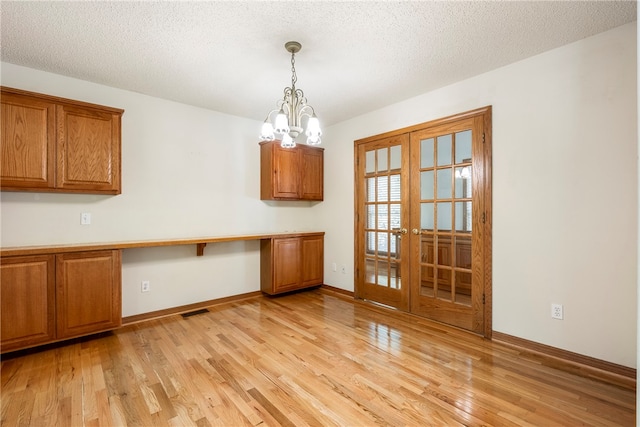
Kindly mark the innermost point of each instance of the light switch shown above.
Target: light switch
(85, 218)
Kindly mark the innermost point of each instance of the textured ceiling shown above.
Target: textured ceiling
(229, 56)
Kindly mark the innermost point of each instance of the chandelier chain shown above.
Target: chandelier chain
(294, 77)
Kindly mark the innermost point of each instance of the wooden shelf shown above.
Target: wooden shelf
(199, 242)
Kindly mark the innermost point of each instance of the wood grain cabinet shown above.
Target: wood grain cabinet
(292, 263)
(291, 173)
(59, 145)
(27, 304)
(88, 292)
(48, 298)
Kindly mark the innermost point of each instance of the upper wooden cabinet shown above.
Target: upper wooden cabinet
(59, 145)
(291, 173)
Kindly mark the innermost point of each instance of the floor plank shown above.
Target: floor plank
(311, 358)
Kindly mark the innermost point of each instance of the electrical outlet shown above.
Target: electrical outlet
(557, 311)
(85, 218)
(145, 286)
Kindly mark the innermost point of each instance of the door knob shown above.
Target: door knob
(415, 231)
(403, 231)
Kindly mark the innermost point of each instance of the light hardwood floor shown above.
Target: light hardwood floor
(312, 358)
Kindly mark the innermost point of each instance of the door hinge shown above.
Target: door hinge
(483, 298)
(483, 137)
(484, 217)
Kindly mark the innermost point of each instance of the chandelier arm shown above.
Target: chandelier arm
(304, 111)
(271, 113)
(299, 94)
(285, 107)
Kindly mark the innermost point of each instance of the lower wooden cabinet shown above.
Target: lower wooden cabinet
(291, 263)
(47, 298)
(27, 307)
(88, 292)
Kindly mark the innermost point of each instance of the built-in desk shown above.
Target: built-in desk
(55, 292)
(199, 242)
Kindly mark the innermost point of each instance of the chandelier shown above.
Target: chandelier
(290, 111)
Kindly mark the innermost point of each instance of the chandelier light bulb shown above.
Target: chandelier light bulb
(313, 140)
(287, 141)
(282, 123)
(267, 133)
(313, 131)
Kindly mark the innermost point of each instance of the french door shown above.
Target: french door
(383, 218)
(423, 220)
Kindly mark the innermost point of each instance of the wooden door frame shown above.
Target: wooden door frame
(486, 173)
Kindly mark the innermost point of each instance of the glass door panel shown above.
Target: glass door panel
(444, 150)
(447, 199)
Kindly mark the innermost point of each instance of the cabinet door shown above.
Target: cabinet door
(88, 150)
(312, 174)
(312, 261)
(286, 263)
(27, 306)
(28, 142)
(286, 176)
(88, 296)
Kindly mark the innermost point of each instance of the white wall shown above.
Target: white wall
(564, 187)
(564, 191)
(186, 172)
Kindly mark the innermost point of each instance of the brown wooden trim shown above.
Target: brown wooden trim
(595, 367)
(356, 209)
(59, 100)
(14, 188)
(198, 241)
(186, 308)
(421, 126)
(487, 183)
(330, 288)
